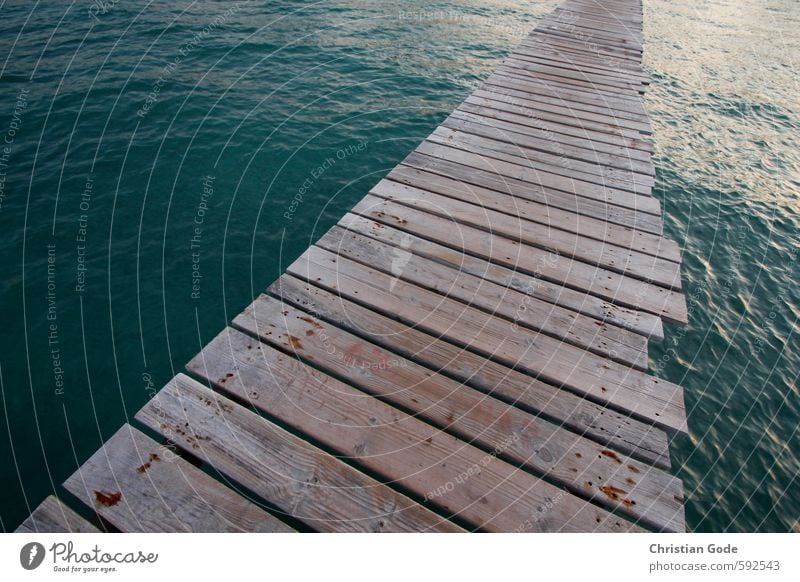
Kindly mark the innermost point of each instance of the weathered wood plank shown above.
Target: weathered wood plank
(629, 390)
(644, 324)
(601, 210)
(597, 229)
(542, 55)
(568, 172)
(52, 516)
(137, 485)
(569, 74)
(645, 494)
(611, 286)
(301, 480)
(544, 180)
(554, 56)
(527, 123)
(595, 132)
(567, 106)
(630, 263)
(587, 160)
(540, 88)
(603, 425)
(459, 478)
(520, 309)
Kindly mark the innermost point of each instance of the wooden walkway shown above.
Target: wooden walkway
(465, 350)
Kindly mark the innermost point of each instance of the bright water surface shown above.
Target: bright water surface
(258, 95)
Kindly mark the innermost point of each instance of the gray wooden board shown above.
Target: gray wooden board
(644, 324)
(459, 478)
(532, 125)
(536, 41)
(137, 485)
(52, 516)
(628, 262)
(570, 133)
(567, 172)
(568, 126)
(544, 264)
(586, 157)
(597, 80)
(600, 230)
(539, 88)
(585, 45)
(565, 109)
(582, 64)
(600, 65)
(603, 425)
(631, 103)
(522, 73)
(587, 160)
(571, 126)
(617, 215)
(615, 92)
(581, 23)
(299, 479)
(562, 324)
(601, 35)
(629, 390)
(554, 161)
(643, 493)
(593, 40)
(587, 21)
(544, 180)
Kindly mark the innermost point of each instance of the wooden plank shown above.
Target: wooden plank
(539, 88)
(594, 22)
(52, 516)
(519, 189)
(586, 158)
(567, 171)
(596, 80)
(576, 49)
(579, 116)
(568, 129)
(459, 478)
(137, 485)
(587, 469)
(519, 71)
(301, 480)
(597, 63)
(557, 124)
(603, 425)
(628, 100)
(644, 324)
(581, 47)
(521, 309)
(591, 33)
(530, 124)
(544, 180)
(577, 109)
(616, 259)
(587, 44)
(581, 64)
(613, 287)
(600, 230)
(590, 40)
(632, 391)
(523, 75)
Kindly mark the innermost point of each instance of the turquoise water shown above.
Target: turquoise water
(166, 163)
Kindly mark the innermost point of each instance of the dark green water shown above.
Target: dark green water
(167, 162)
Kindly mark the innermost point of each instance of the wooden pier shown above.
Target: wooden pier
(465, 350)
